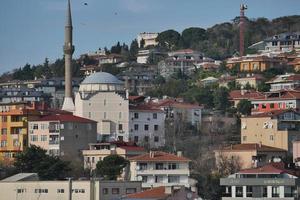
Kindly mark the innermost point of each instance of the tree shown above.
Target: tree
(116, 48)
(169, 39)
(134, 48)
(221, 101)
(111, 167)
(35, 160)
(263, 87)
(193, 35)
(244, 107)
(228, 165)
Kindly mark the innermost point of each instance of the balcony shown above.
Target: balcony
(17, 124)
(163, 172)
(55, 142)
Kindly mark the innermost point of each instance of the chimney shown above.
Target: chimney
(179, 153)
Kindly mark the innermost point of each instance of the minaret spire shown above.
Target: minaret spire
(68, 51)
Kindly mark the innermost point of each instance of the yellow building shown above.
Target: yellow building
(253, 63)
(13, 128)
(277, 129)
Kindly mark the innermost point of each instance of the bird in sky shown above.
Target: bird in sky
(85, 3)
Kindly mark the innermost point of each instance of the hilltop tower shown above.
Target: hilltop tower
(68, 104)
(243, 7)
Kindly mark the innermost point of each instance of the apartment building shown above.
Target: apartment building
(284, 82)
(63, 135)
(275, 129)
(102, 98)
(252, 80)
(20, 187)
(98, 151)
(14, 119)
(148, 38)
(250, 155)
(158, 168)
(276, 100)
(235, 96)
(272, 181)
(253, 63)
(147, 125)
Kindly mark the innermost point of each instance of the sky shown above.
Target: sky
(32, 30)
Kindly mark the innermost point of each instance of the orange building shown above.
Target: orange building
(253, 63)
(13, 127)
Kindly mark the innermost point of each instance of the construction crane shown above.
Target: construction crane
(243, 7)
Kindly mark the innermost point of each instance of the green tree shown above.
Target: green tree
(263, 87)
(111, 167)
(169, 39)
(244, 107)
(134, 48)
(193, 35)
(35, 160)
(221, 101)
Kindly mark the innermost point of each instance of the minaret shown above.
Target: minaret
(68, 51)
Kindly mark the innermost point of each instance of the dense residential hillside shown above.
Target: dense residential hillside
(219, 41)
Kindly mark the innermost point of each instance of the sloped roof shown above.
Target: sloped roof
(145, 107)
(272, 113)
(65, 118)
(248, 94)
(174, 103)
(282, 94)
(159, 156)
(271, 168)
(154, 193)
(248, 146)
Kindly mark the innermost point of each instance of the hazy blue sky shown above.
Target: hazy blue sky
(31, 30)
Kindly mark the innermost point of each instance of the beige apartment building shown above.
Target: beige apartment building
(250, 155)
(276, 129)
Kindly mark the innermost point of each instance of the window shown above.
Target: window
(244, 138)
(33, 138)
(105, 190)
(136, 138)
(271, 105)
(136, 127)
(271, 137)
(130, 190)
(156, 139)
(120, 138)
(172, 166)
(136, 115)
(78, 190)
(41, 191)
(104, 115)
(173, 179)
(144, 179)
(146, 138)
(159, 179)
(4, 119)
(275, 191)
(3, 131)
(35, 126)
(159, 166)
(120, 127)
(264, 106)
(16, 143)
(143, 166)
(115, 190)
(104, 102)
(154, 115)
(239, 191)
(60, 190)
(156, 127)
(21, 190)
(249, 191)
(44, 137)
(93, 159)
(146, 127)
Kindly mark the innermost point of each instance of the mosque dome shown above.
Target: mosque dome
(101, 78)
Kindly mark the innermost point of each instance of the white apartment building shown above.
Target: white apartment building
(147, 126)
(149, 39)
(102, 97)
(284, 82)
(158, 168)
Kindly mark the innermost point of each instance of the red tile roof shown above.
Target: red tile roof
(133, 98)
(248, 146)
(248, 94)
(157, 193)
(272, 113)
(271, 168)
(145, 107)
(65, 118)
(282, 94)
(159, 156)
(174, 103)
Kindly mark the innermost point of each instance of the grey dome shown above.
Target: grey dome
(101, 78)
